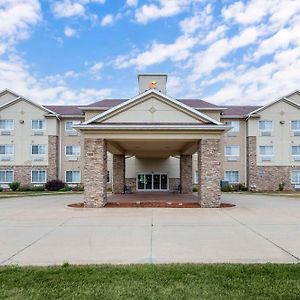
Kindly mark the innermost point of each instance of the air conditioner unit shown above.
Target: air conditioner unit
(38, 133)
(266, 158)
(72, 133)
(266, 133)
(232, 134)
(5, 133)
(5, 158)
(72, 158)
(296, 158)
(38, 158)
(232, 158)
(297, 186)
(296, 133)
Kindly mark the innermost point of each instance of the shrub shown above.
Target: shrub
(226, 188)
(195, 189)
(24, 188)
(281, 186)
(14, 185)
(66, 189)
(1, 189)
(244, 188)
(78, 188)
(38, 188)
(54, 185)
(109, 189)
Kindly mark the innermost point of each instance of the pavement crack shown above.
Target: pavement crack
(32, 243)
(264, 237)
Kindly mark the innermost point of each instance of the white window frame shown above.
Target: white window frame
(8, 129)
(74, 181)
(265, 130)
(38, 129)
(271, 146)
(39, 182)
(72, 147)
(13, 176)
(229, 123)
(295, 155)
(39, 145)
(230, 155)
(73, 123)
(9, 145)
(239, 176)
(293, 182)
(297, 130)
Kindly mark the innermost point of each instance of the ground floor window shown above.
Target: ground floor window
(232, 176)
(295, 178)
(6, 176)
(38, 176)
(73, 176)
(146, 182)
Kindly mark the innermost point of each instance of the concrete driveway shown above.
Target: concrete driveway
(43, 231)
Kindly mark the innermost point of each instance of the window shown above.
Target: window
(108, 176)
(232, 176)
(296, 150)
(69, 125)
(295, 125)
(234, 124)
(38, 124)
(73, 150)
(6, 124)
(232, 150)
(266, 150)
(6, 149)
(6, 176)
(38, 149)
(196, 177)
(38, 176)
(295, 178)
(73, 176)
(265, 125)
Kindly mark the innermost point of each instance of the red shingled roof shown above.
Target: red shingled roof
(64, 109)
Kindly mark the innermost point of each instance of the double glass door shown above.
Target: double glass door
(152, 182)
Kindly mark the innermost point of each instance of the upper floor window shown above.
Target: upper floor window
(295, 125)
(69, 125)
(295, 177)
(38, 124)
(38, 176)
(38, 149)
(73, 176)
(296, 150)
(234, 124)
(6, 124)
(232, 176)
(265, 125)
(73, 150)
(232, 150)
(6, 149)
(266, 150)
(6, 176)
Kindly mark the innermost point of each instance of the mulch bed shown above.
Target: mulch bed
(152, 204)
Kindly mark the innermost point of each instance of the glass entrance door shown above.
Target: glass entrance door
(152, 182)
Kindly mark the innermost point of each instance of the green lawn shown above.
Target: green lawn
(34, 193)
(152, 282)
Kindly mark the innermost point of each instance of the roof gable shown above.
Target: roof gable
(148, 104)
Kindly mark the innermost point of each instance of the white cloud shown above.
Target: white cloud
(69, 32)
(72, 8)
(107, 20)
(158, 53)
(165, 8)
(132, 2)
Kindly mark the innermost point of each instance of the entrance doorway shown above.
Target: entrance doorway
(152, 182)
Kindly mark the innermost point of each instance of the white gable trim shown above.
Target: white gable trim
(6, 91)
(185, 107)
(27, 100)
(288, 101)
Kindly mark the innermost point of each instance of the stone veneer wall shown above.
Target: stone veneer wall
(266, 178)
(174, 183)
(131, 182)
(118, 174)
(209, 166)
(22, 174)
(186, 174)
(95, 172)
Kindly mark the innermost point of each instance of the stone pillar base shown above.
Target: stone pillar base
(186, 174)
(209, 166)
(118, 174)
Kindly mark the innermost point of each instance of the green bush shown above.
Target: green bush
(54, 185)
(109, 189)
(38, 188)
(66, 189)
(226, 188)
(1, 189)
(195, 189)
(14, 186)
(78, 188)
(281, 186)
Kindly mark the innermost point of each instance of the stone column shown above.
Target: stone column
(186, 174)
(118, 174)
(52, 157)
(209, 166)
(95, 172)
(251, 161)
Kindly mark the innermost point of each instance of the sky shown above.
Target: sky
(80, 51)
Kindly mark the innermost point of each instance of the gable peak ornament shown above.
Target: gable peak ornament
(152, 84)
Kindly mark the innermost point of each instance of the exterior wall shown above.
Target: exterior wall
(89, 114)
(266, 178)
(7, 97)
(295, 97)
(282, 137)
(238, 140)
(211, 113)
(186, 174)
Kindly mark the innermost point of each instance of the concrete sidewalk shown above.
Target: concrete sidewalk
(43, 231)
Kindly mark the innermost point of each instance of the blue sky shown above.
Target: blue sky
(80, 51)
